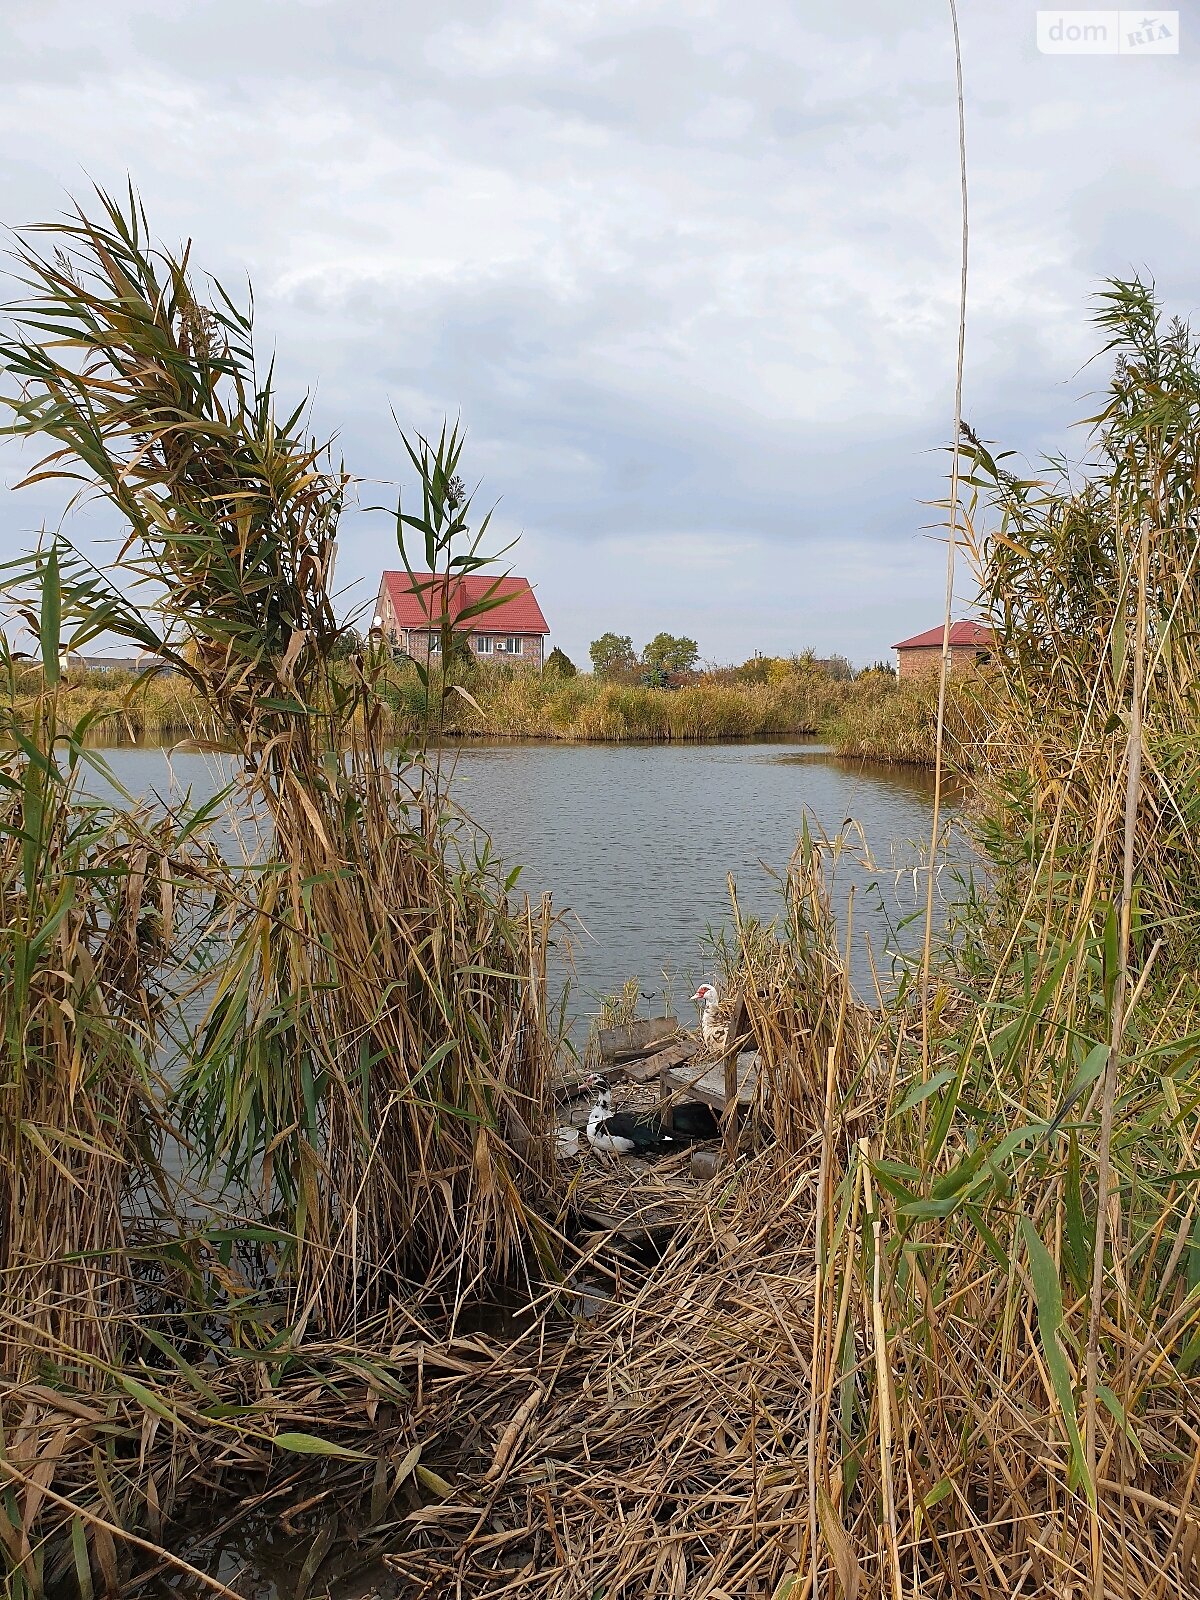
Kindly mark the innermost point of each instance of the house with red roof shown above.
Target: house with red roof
(410, 607)
(971, 645)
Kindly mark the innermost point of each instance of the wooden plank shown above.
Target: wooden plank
(737, 1028)
(709, 1085)
(636, 1039)
(654, 1066)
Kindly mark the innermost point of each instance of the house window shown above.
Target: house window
(435, 644)
(511, 646)
(983, 657)
(483, 643)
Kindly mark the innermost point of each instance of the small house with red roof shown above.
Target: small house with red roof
(410, 607)
(971, 645)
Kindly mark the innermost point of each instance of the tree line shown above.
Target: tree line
(666, 655)
(613, 655)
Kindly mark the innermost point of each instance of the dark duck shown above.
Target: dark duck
(644, 1133)
(625, 1133)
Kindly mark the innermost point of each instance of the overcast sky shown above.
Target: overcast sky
(688, 272)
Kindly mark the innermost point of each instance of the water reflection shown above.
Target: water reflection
(637, 842)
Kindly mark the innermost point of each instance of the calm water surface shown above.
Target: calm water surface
(636, 842)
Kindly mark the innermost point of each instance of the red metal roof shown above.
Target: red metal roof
(973, 633)
(519, 612)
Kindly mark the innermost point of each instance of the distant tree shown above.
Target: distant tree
(612, 653)
(838, 667)
(666, 653)
(878, 669)
(754, 670)
(559, 662)
(348, 643)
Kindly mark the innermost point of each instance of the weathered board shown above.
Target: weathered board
(709, 1085)
(653, 1066)
(617, 1044)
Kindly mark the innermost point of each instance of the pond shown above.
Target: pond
(637, 842)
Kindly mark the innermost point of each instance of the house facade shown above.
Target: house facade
(971, 646)
(410, 606)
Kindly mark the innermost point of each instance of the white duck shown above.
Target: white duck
(713, 1032)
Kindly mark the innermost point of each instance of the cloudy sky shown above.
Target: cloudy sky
(686, 271)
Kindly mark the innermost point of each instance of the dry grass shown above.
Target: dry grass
(871, 718)
(372, 1069)
(660, 1451)
(800, 701)
(898, 723)
(128, 705)
(868, 718)
(936, 1331)
(77, 1101)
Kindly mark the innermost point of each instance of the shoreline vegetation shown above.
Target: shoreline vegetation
(934, 1326)
(873, 717)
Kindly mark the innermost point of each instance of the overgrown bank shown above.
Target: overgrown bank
(872, 718)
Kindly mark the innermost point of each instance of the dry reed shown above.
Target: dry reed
(893, 1349)
(871, 718)
(371, 1077)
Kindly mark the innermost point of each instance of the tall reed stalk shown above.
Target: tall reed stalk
(77, 1099)
(370, 1080)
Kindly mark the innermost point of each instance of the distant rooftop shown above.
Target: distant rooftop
(519, 612)
(972, 633)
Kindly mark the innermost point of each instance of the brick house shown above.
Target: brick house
(408, 608)
(971, 645)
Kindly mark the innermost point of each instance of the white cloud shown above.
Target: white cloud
(687, 272)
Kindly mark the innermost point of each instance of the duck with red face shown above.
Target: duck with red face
(713, 1033)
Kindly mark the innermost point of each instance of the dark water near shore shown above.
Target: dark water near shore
(636, 842)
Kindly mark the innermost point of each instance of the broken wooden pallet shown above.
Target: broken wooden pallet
(638, 1069)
